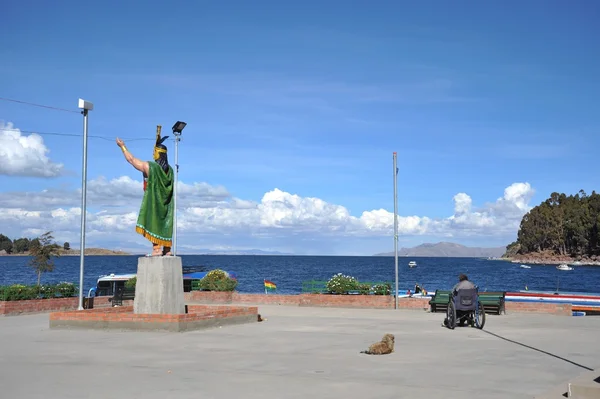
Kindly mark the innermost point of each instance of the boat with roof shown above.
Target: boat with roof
(107, 285)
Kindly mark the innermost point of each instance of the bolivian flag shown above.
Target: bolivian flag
(270, 286)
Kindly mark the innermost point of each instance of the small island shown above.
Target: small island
(562, 229)
(23, 246)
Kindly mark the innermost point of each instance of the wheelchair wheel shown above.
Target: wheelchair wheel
(451, 316)
(479, 316)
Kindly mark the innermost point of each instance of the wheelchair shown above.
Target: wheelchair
(464, 306)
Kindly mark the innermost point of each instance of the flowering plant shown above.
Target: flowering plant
(382, 289)
(341, 284)
(217, 280)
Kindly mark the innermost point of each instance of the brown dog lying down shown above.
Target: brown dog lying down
(383, 347)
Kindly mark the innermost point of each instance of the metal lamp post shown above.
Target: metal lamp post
(177, 129)
(85, 106)
(396, 223)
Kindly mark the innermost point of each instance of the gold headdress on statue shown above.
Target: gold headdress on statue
(159, 147)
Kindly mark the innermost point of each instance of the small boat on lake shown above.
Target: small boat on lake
(564, 266)
(412, 264)
(525, 267)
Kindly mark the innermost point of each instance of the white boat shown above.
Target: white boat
(564, 266)
(525, 267)
(412, 263)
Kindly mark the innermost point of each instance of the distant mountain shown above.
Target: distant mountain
(448, 250)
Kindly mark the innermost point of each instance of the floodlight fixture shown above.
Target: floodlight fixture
(85, 105)
(178, 127)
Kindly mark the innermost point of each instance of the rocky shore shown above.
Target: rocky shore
(549, 259)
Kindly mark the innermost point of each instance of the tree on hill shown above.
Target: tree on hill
(21, 245)
(66, 246)
(43, 252)
(561, 225)
(6, 244)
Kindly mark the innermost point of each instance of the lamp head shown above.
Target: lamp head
(178, 127)
(85, 105)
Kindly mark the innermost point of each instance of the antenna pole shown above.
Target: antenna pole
(396, 224)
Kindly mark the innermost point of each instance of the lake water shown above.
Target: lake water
(288, 272)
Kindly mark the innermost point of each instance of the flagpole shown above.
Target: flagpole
(396, 224)
(265, 285)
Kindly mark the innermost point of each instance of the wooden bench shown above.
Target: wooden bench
(493, 301)
(439, 301)
(123, 294)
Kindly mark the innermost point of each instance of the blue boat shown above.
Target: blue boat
(107, 284)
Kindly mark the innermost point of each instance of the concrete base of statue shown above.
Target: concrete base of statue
(159, 286)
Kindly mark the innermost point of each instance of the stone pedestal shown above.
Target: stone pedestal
(159, 286)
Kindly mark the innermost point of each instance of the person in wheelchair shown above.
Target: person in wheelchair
(461, 315)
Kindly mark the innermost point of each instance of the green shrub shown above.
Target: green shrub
(131, 282)
(364, 289)
(342, 284)
(217, 280)
(66, 289)
(382, 289)
(20, 292)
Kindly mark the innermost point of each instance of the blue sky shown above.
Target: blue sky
(312, 99)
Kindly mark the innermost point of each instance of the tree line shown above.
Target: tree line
(561, 225)
(24, 245)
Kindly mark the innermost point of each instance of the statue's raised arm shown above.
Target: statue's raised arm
(142, 166)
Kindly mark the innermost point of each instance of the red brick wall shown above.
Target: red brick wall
(125, 314)
(559, 309)
(208, 296)
(354, 301)
(270, 299)
(319, 300)
(38, 305)
(223, 311)
(47, 305)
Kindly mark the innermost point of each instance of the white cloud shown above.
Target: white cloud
(119, 192)
(24, 155)
(210, 217)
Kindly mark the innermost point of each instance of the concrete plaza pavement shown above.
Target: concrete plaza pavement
(300, 352)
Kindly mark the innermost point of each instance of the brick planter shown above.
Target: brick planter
(210, 296)
(123, 318)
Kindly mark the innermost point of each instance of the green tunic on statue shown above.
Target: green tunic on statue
(155, 220)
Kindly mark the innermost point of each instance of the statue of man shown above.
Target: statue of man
(155, 220)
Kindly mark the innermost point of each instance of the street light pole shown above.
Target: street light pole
(177, 140)
(86, 107)
(177, 129)
(396, 223)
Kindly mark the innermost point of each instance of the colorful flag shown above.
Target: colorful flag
(269, 285)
